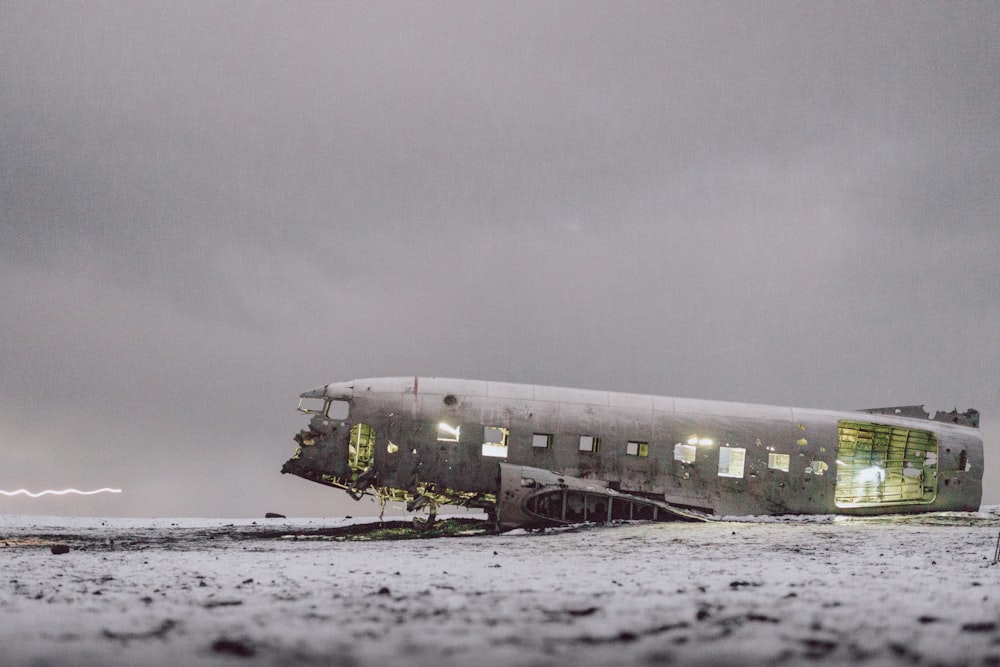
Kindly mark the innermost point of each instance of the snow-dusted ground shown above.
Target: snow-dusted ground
(800, 590)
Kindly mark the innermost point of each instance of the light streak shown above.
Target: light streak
(63, 492)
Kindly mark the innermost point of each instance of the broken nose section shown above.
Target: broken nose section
(294, 466)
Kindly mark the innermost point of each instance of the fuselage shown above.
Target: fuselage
(414, 436)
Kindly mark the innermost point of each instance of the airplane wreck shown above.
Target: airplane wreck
(533, 455)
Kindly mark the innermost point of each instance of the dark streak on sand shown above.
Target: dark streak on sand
(178, 537)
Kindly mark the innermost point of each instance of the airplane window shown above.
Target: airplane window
(448, 433)
(778, 461)
(637, 449)
(589, 443)
(541, 440)
(731, 461)
(684, 453)
(493, 435)
(495, 441)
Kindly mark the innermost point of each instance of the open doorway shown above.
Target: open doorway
(878, 464)
(361, 449)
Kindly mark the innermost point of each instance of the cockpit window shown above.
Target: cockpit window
(338, 410)
(320, 406)
(312, 406)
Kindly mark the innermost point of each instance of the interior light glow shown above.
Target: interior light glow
(693, 440)
(871, 474)
(450, 430)
(63, 492)
(706, 442)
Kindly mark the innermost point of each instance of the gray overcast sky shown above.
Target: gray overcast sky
(208, 208)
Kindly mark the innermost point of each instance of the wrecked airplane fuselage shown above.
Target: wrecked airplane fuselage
(534, 455)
